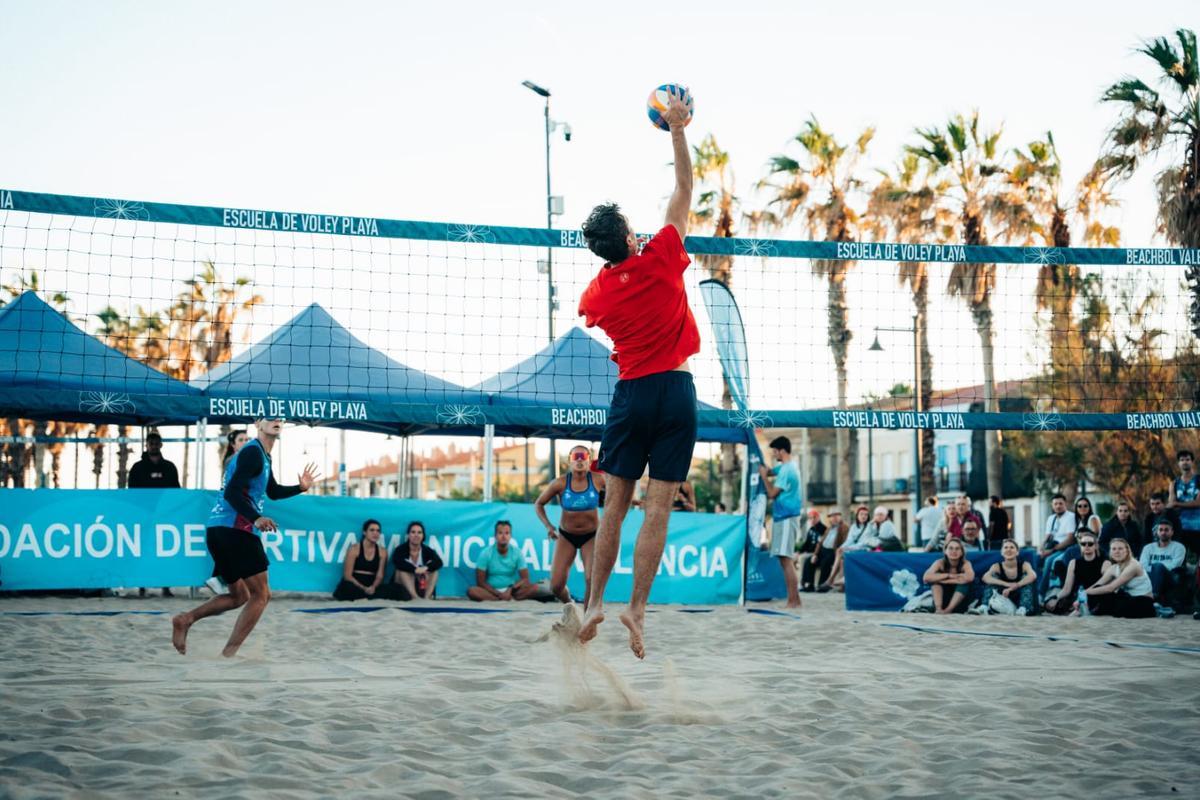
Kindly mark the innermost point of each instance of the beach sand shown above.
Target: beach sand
(728, 703)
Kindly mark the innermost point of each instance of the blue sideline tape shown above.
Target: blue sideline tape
(73, 613)
(770, 612)
(411, 610)
(922, 629)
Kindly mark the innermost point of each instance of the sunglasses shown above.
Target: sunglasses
(1087, 544)
(579, 456)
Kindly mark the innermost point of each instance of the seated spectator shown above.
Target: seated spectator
(416, 564)
(813, 534)
(856, 539)
(825, 554)
(950, 579)
(1085, 517)
(1158, 508)
(971, 541)
(1123, 590)
(1083, 570)
(1072, 552)
(362, 569)
(881, 532)
(1012, 578)
(500, 572)
(1121, 526)
(1163, 562)
(1058, 536)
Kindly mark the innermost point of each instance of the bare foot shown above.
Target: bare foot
(179, 632)
(593, 618)
(230, 651)
(795, 604)
(634, 623)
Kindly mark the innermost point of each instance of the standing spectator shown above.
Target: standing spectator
(363, 566)
(782, 485)
(950, 579)
(1121, 526)
(233, 442)
(153, 471)
(720, 508)
(1123, 590)
(685, 498)
(1012, 578)
(417, 565)
(881, 532)
(1184, 500)
(929, 520)
(997, 524)
(1158, 508)
(952, 521)
(1082, 573)
(1085, 517)
(943, 531)
(967, 511)
(971, 541)
(856, 539)
(1163, 560)
(500, 572)
(1058, 536)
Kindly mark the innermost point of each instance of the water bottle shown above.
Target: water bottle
(1082, 598)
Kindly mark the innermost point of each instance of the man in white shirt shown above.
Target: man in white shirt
(1059, 534)
(1163, 561)
(930, 519)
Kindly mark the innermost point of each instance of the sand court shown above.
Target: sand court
(727, 704)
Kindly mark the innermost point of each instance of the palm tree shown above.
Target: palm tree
(965, 158)
(818, 191)
(1150, 127)
(714, 213)
(906, 205)
(118, 333)
(1031, 209)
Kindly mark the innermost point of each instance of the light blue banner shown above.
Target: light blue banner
(86, 539)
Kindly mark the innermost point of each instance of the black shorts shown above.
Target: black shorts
(577, 540)
(235, 554)
(651, 420)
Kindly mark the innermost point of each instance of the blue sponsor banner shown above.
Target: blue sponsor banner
(886, 581)
(764, 575)
(83, 539)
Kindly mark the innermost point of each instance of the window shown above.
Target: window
(941, 455)
(962, 453)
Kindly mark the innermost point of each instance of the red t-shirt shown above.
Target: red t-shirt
(642, 306)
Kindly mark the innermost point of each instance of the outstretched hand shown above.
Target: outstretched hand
(676, 115)
(309, 477)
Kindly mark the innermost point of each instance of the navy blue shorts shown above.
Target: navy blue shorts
(652, 419)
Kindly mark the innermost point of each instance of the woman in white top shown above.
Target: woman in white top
(856, 539)
(1123, 590)
(881, 532)
(1085, 517)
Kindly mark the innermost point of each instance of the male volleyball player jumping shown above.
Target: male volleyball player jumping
(233, 539)
(640, 302)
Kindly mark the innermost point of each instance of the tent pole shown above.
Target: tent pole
(201, 447)
(489, 435)
(342, 473)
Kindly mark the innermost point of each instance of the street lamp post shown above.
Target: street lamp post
(554, 206)
(915, 330)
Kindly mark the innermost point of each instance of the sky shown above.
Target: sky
(416, 111)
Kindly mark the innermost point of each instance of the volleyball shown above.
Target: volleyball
(660, 98)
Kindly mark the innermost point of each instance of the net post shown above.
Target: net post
(489, 435)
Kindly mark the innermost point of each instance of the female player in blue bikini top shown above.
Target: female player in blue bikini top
(579, 495)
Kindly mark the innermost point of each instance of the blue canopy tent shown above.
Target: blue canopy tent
(50, 369)
(313, 370)
(564, 390)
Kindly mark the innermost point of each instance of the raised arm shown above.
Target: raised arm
(681, 200)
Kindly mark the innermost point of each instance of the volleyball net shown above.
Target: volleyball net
(399, 326)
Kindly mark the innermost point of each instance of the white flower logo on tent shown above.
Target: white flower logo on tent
(106, 403)
(459, 415)
(472, 234)
(121, 209)
(905, 583)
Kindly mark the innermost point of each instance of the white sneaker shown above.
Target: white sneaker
(217, 585)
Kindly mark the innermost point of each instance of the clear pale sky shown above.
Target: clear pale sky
(415, 111)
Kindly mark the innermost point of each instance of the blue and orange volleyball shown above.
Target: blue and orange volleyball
(660, 98)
